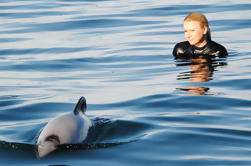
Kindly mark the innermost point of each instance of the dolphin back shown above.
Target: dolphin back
(80, 106)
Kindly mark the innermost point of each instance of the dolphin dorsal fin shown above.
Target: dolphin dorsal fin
(80, 106)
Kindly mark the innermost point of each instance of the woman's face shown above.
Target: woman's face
(194, 34)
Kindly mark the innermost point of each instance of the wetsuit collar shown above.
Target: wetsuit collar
(192, 48)
(199, 48)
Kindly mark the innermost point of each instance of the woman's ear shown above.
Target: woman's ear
(205, 29)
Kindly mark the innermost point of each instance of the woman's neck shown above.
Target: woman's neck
(202, 42)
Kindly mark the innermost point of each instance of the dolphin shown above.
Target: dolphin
(69, 128)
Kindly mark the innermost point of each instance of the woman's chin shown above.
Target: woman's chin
(191, 43)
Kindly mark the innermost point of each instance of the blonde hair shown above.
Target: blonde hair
(202, 21)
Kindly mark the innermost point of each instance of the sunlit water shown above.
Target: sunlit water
(148, 108)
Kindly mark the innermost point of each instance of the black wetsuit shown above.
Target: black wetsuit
(185, 50)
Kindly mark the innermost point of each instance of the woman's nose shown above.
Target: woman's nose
(188, 35)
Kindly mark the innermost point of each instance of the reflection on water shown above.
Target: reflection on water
(201, 69)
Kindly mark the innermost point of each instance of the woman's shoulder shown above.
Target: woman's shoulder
(181, 48)
(183, 44)
(215, 44)
(217, 47)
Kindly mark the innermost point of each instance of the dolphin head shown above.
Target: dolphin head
(47, 145)
(65, 129)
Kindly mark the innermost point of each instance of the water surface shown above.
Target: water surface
(148, 108)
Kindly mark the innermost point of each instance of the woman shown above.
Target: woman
(199, 41)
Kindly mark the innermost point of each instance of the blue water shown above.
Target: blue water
(148, 108)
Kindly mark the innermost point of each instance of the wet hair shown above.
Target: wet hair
(202, 21)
